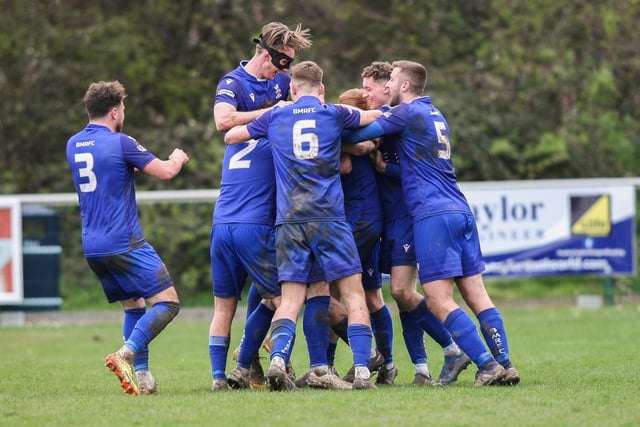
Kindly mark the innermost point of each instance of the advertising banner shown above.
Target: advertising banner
(555, 227)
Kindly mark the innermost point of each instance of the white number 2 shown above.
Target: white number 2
(86, 171)
(443, 138)
(237, 161)
(299, 138)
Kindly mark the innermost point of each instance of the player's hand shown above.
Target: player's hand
(378, 161)
(283, 103)
(179, 155)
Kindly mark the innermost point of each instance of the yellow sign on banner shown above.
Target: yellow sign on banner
(591, 215)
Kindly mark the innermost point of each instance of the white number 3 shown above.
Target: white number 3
(86, 171)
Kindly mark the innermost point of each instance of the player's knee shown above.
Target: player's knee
(398, 294)
(167, 310)
(173, 308)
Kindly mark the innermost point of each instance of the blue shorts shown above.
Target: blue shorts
(397, 246)
(323, 250)
(367, 237)
(239, 251)
(366, 234)
(371, 276)
(447, 246)
(139, 273)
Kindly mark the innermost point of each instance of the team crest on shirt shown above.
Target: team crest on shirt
(278, 91)
(138, 146)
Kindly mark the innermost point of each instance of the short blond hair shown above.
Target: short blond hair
(277, 35)
(414, 73)
(307, 74)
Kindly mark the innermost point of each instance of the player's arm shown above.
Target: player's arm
(167, 169)
(368, 116)
(345, 164)
(359, 149)
(226, 116)
(383, 167)
(371, 131)
(254, 130)
(237, 135)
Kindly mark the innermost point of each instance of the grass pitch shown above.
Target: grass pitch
(578, 368)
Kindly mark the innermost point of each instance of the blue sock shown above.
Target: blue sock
(257, 326)
(492, 327)
(331, 353)
(413, 335)
(466, 334)
(432, 325)
(382, 327)
(253, 299)
(151, 324)
(282, 338)
(340, 329)
(218, 350)
(315, 324)
(131, 317)
(360, 342)
(288, 355)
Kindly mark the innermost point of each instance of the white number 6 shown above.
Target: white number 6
(299, 137)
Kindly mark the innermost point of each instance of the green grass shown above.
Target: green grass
(578, 368)
(89, 296)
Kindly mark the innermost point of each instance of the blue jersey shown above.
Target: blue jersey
(305, 139)
(364, 214)
(389, 183)
(361, 198)
(397, 246)
(248, 93)
(102, 163)
(428, 176)
(248, 186)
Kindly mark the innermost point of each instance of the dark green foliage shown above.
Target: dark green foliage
(531, 89)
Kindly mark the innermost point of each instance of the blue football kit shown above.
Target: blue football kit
(364, 214)
(242, 235)
(246, 92)
(445, 231)
(313, 239)
(103, 165)
(396, 247)
(430, 188)
(242, 241)
(305, 140)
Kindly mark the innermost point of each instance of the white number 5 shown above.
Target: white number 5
(86, 171)
(443, 138)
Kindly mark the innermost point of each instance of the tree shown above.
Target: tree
(531, 89)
